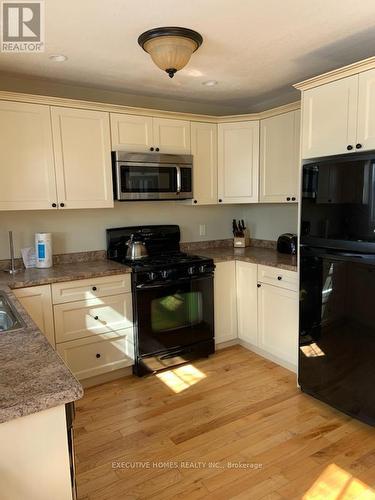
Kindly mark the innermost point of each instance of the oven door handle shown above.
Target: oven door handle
(164, 284)
(178, 173)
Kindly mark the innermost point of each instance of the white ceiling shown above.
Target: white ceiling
(255, 49)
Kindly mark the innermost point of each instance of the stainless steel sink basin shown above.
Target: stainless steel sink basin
(9, 317)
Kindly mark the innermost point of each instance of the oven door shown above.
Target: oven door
(152, 181)
(172, 316)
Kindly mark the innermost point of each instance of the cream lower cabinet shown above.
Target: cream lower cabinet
(204, 151)
(267, 312)
(136, 134)
(279, 158)
(247, 301)
(238, 162)
(278, 322)
(278, 314)
(94, 324)
(37, 300)
(225, 302)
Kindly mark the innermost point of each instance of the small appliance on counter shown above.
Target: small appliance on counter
(287, 243)
(240, 234)
(43, 250)
(173, 296)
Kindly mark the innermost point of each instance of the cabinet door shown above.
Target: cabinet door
(37, 301)
(171, 136)
(82, 157)
(131, 133)
(225, 302)
(279, 158)
(278, 322)
(204, 151)
(247, 302)
(27, 174)
(238, 162)
(329, 118)
(366, 111)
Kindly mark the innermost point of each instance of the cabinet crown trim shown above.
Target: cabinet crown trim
(336, 74)
(156, 113)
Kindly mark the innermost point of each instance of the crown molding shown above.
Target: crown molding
(286, 108)
(336, 74)
(117, 108)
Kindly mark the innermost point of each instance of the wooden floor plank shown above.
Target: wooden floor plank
(242, 410)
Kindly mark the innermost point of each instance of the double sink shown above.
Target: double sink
(9, 317)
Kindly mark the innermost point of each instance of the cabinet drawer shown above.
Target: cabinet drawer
(70, 291)
(75, 320)
(278, 277)
(93, 356)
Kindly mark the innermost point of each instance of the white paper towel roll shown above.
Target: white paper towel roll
(43, 249)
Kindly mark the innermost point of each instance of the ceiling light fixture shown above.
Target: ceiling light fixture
(210, 83)
(58, 57)
(171, 47)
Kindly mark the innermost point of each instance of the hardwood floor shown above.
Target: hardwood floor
(232, 426)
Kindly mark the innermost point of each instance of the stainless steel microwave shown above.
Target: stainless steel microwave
(152, 176)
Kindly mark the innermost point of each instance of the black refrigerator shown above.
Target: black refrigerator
(337, 283)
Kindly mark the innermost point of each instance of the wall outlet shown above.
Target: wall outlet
(202, 229)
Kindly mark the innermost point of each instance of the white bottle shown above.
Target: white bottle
(43, 250)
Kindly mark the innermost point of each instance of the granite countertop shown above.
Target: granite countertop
(256, 255)
(64, 272)
(33, 377)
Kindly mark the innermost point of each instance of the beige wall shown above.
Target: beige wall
(268, 220)
(80, 230)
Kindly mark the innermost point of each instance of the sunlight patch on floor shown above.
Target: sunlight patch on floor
(181, 378)
(335, 483)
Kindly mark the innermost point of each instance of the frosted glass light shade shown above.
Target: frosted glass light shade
(170, 48)
(170, 52)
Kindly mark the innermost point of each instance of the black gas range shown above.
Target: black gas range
(172, 297)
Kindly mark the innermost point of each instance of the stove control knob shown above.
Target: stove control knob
(151, 276)
(202, 269)
(165, 273)
(191, 270)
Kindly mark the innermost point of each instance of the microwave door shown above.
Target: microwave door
(147, 181)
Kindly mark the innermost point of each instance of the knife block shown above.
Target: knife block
(241, 241)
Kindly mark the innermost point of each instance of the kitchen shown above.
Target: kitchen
(158, 297)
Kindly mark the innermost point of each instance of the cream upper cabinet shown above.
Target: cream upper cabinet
(329, 118)
(143, 133)
(131, 133)
(27, 176)
(279, 158)
(82, 147)
(238, 162)
(204, 151)
(366, 111)
(172, 136)
(225, 302)
(37, 301)
(247, 300)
